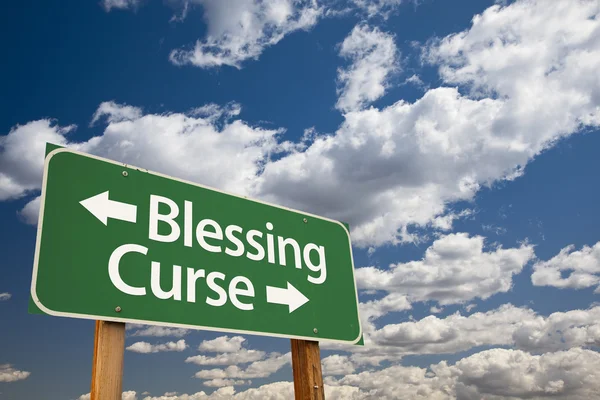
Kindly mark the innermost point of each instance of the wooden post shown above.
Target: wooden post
(306, 364)
(107, 367)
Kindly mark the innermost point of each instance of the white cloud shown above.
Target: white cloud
(9, 374)
(525, 51)
(239, 30)
(415, 80)
(491, 374)
(432, 335)
(120, 4)
(222, 344)
(337, 365)
(31, 212)
(455, 269)
(560, 330)
(161, 331)
(583, 267)
(572, 374)
(167, 143)
(399, 382)
(408, 161)
(258, 369)
(270, 391)
(22, 156)
(128, 395)
(373, 309)
(444, 222)
(116, 112)
(369, 312)
(145, 347)
(538, 63)
(505, 326)
(436, 310)
(495, 374)
(374, 58)
(241, 356)
(382, 8)
(5, 296)
(214, 112)
(224, 382)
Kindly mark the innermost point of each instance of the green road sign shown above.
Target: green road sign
(120, 243)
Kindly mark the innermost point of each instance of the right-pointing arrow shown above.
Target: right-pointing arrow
(291, 296)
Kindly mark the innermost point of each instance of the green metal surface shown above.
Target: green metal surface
(71, 276)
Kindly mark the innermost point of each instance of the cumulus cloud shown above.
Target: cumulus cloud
(560, 330)
(239, 30)
(22, 156)
(128, 395)
(373, 309)
(455, 269)
(9, 374)
(5, 296)
(529, 72)
(258, 369)
(373, 57)
(381, 8)
(507, 325)
(337, 365)
(120, 4)
(222, 344)
(239, 357)
(523, 76)
(582, 266)
(502, 54)
(571, 374)
(432, 335)
(225, 382)
(118, 112)
(189, 147)
(270, 391)
(435, 310)
(161, 331)
(145, 347)
(231, 354)
(400, 382)
(31, 212)
(491, 374)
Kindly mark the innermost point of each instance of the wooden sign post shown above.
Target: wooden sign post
(107, 367)
(306, 364)
(109, 349)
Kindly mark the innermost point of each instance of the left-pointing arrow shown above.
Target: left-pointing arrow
(103, 208)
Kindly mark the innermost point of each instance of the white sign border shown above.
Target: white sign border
(138, 321)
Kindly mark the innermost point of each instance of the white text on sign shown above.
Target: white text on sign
(231, 241)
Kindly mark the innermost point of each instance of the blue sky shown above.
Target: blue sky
(458, 139)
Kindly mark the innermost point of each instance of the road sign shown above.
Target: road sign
(120, 243)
